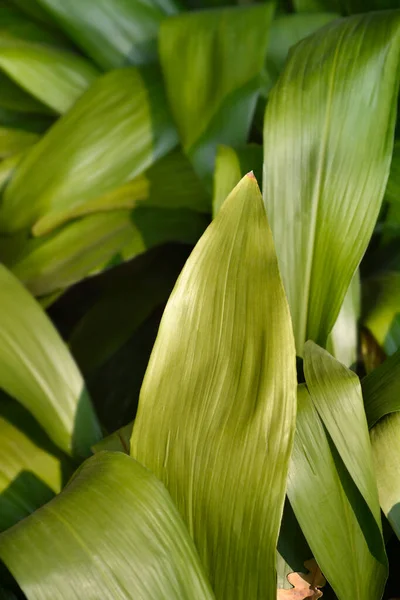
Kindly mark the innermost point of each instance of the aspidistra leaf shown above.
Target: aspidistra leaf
(115, 131)
(325, 118)
(117, 535)
(37, 369)
(222, 443)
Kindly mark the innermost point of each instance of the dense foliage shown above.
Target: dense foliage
(199, 299)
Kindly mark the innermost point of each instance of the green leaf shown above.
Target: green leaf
(35, 123)
(16, 25)
(222, 444)
(13, 141)
(343, 339)
(285, 32)
(116, 130)
(37, 369)
(91, 244)
(54, 76)
(340, 536)
(381, 390)
(344, 6)
(119, 441)
(30, 473)
(144, 551)
(213, 85)
(33, 10)
(113, 32)
(325, 118)
(13, 98)
(231, 165)
(381, 307)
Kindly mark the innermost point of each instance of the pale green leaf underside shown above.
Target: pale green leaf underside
(222, 443)
(325, 118)
(115, 131)
(37, 369)
(319, 484)
(117, 535)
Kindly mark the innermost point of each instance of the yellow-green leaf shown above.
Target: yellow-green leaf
(217, 406)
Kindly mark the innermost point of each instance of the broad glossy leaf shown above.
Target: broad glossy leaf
(117, 535)
(214, 106)
(37, 369)
(343, 339)
(113, 32)
(381, 307)
(217, 406)
(116, 130)
(30, 472)
(55, 77)
(319, 485)
(325, 118)
(169, 183)
(285, 32)
(89, 245)
(231, 165)
(13, 141)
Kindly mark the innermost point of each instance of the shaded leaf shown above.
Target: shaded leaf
(37, 369)
(116, 130)
(325, 116)
(217, 106)
(319, 484)
(114, 32)
(143, 552)
(222, 444)
(14, 98)
(381, 307)
(343, 339)
(119, 441)
(381, 390)
(231, 165)
(13, 141)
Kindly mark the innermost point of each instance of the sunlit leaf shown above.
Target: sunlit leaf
(14, 98)
(54, 76)
(231, 165)
(113, 32)
(117, 535)
(325, 119)
(30, 472)
(327, 505)
(217, 406)
(37, 369)
(343, 339)
(213, 85)
(116, 130)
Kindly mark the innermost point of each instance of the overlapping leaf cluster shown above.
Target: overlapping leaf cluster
(126, 125)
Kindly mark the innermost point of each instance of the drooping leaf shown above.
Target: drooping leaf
(231, 164)
(319, 484)
(214, 106)
(30, 473)
(37, 369)
(116, 130)
(55, 77)
(89, 245)
(325, 118)
(343, 339)
(222, 444)
(113, 33)
(117, 535)
(285, 32)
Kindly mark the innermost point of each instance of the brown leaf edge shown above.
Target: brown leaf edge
(305, 586)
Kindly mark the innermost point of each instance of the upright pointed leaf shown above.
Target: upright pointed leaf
(327, 506)
(144, 551)
(325, 118)
(114, 32)
(37, 369)
(116, 130)
(217, 406)
(231, 165)
(217, 106)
